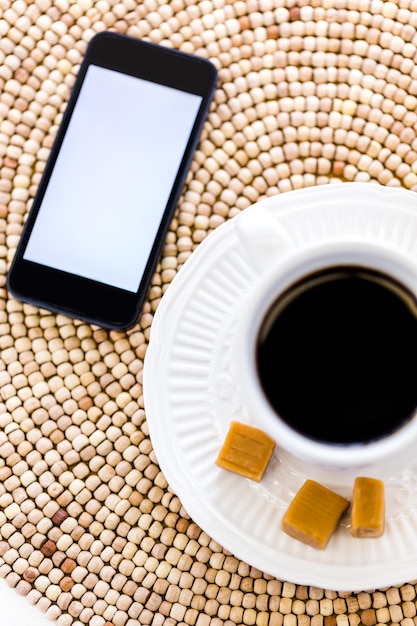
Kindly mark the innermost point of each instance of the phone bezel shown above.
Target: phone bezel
(83, 298)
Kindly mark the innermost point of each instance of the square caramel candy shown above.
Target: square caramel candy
(368, 508)
(246, 451)
(313, 514)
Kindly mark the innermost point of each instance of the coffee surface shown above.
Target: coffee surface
(336, 356)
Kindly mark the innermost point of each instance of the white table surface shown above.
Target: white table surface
(16, 610)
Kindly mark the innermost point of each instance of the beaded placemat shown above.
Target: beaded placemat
(309, 92)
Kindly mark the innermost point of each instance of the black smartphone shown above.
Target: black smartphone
(99, 219)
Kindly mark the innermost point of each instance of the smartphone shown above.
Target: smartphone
(99, 219)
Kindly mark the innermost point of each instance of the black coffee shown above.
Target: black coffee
(337, 355)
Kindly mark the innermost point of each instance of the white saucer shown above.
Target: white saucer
(191, 396)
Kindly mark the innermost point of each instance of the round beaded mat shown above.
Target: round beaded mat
(309, 92)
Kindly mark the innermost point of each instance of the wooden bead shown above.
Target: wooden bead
(48, 548)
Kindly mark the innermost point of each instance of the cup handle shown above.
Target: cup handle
(262, 237)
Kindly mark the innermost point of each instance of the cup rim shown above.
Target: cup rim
(295, 265)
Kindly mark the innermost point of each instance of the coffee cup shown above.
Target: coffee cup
(325, 349)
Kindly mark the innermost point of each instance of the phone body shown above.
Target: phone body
(100, 216)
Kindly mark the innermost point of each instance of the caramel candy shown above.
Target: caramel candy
(246, 451)
(314, 514)
(368, 508)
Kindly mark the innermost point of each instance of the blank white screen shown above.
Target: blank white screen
(112, 178)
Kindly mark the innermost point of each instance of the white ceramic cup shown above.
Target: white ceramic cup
(281, 265)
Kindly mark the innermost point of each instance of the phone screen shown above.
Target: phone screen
(112, 178)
